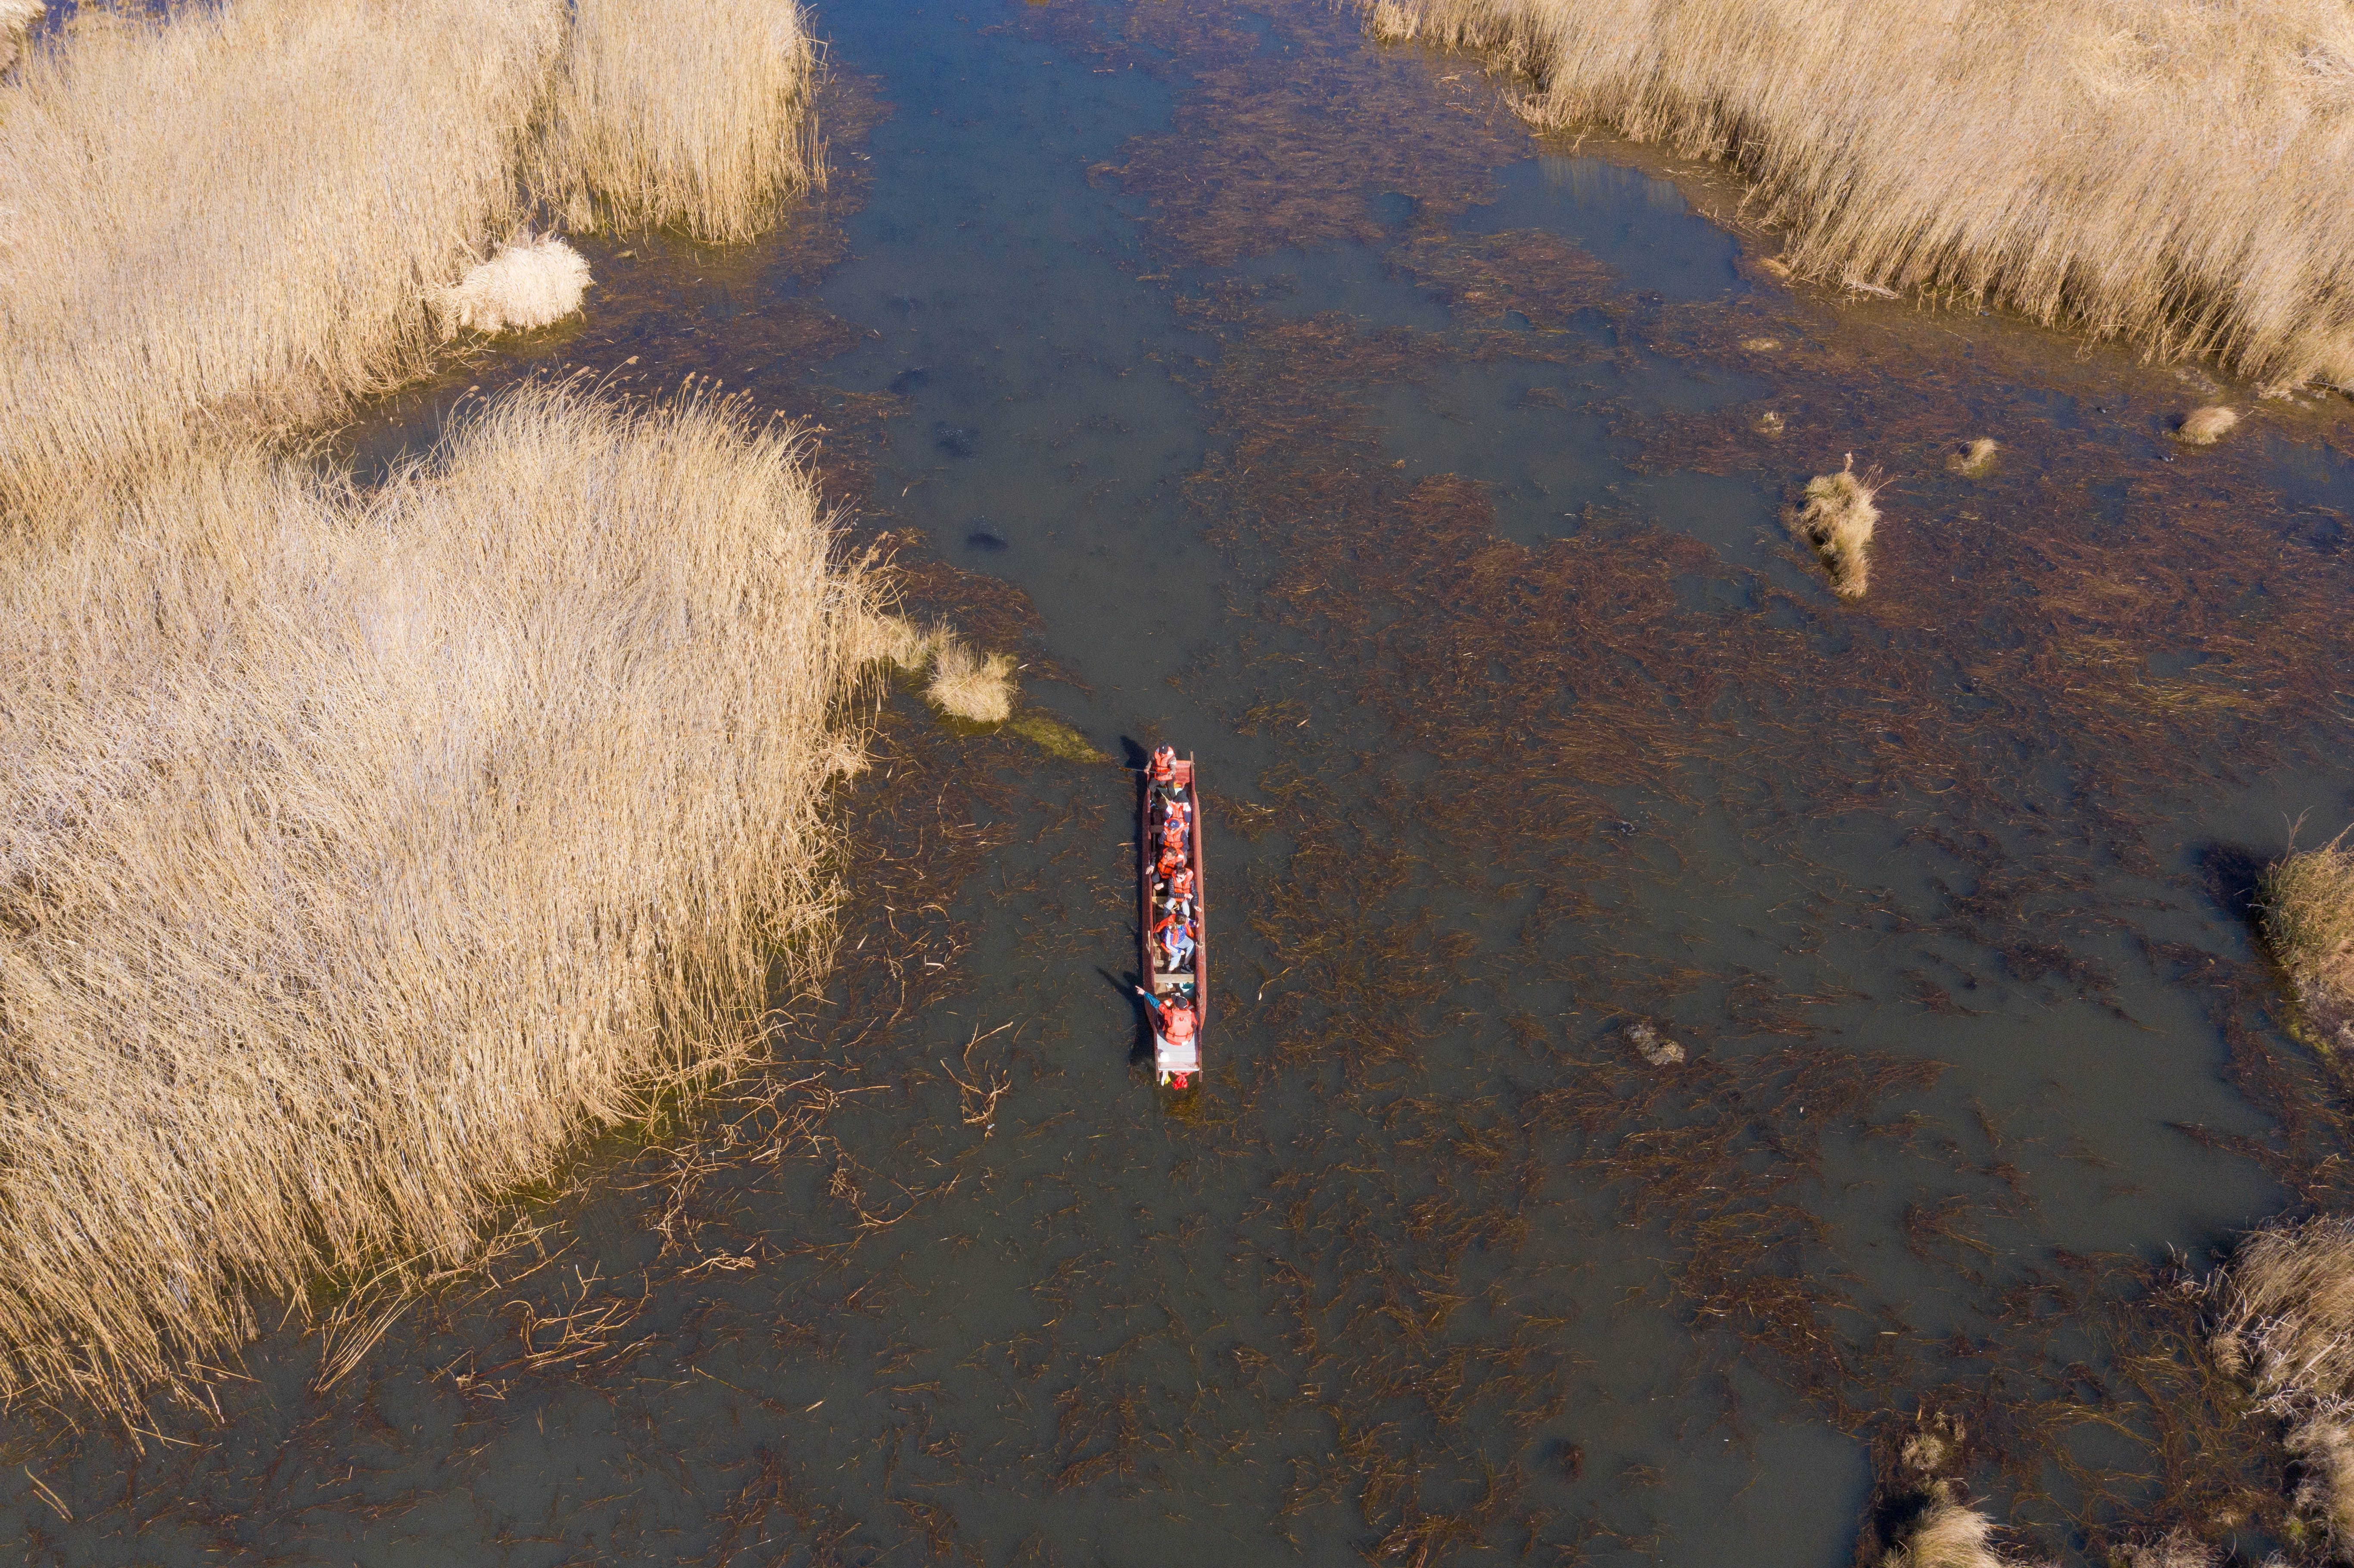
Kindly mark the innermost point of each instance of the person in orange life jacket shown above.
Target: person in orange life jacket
(1164, 766)
(1173, 1016)
(1174, 826)
(1171, 861)
(1175, 935)
(1177, 884)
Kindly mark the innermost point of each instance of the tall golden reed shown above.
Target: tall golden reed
(237, 216)
(1946, 1535)
(2305, 904)
(357, 852)
(235, 219)
(2287, 1322)
(2172, 174)
(625, 148)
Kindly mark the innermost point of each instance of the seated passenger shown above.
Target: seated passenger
(1175, 936)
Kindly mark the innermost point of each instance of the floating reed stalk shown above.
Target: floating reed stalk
(360, 853)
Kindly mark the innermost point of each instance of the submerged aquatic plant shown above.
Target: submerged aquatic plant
(532, 282)
(364, 850)
(1054, 737)
(1838, 520)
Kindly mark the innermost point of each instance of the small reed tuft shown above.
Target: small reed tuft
(531, 283)
(2205, 427)
(1389, 22)
(1838, 520)
(967, 685)
(1974, 459)
(1946, 1535)
(2304, 906)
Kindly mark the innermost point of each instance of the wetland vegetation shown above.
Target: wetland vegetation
(1713, 1069)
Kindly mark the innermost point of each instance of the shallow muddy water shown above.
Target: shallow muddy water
(1283, 397)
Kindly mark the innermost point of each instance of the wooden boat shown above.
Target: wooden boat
(1175, 1065)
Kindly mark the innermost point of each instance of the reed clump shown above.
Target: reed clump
(626, 149)
(16, 17)
(532, 282)
(1974, 459)
(1838, 520)
(968, 685)
(1946, 1535)
(2304, 907)
(2166, 173)
(233, 220)
(2288, 1325)
(2205, 427)
(360, 851)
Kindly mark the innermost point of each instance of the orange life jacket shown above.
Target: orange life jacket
(1181, 882)
(1180, 1024)
(1172, 833)
(1164, 765)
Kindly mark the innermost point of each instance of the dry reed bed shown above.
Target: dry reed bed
(2305, 903)
(2288, 1324)
(625, 148)
(361, 851)
(2168, 174)
(245, 216)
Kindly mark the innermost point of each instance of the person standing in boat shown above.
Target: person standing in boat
(1173, 1016)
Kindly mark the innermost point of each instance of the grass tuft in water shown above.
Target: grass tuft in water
(1974, 459)
(1837, 521)
(2205, 427)
(2305, 903)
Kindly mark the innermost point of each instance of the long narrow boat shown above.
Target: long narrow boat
(1175, 1063)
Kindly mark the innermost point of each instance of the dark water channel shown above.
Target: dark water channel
(1286, 398)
